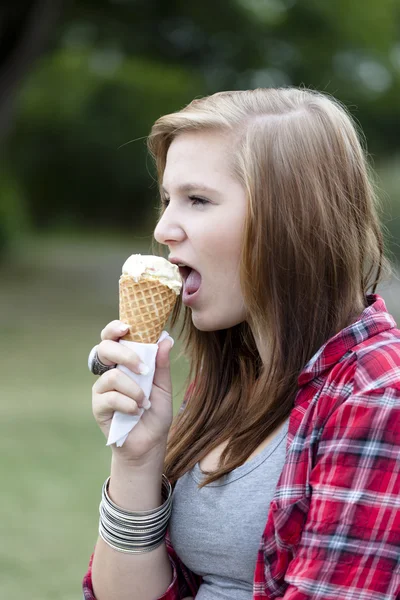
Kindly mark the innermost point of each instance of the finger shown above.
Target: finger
(162, 375)
(116, 380)
(113, 353)
(114, 330)
(106, 404)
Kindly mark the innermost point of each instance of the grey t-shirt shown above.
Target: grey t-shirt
(216, 531)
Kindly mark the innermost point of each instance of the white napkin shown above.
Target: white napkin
(121, 423)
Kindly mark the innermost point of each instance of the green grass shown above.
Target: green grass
(56, 295)
(52, 308)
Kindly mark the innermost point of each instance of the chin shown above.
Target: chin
(214, 324)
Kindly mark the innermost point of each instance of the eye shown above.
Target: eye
(196, 201)
(164, 201)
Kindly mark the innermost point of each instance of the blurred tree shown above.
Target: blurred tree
(25, 27)
(114, 66)
(351, 49)
(71, 146)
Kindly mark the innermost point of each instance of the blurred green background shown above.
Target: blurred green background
(81, 83)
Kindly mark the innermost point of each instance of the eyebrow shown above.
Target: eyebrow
(191, 187)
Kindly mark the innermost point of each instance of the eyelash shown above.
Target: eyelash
(196, 201)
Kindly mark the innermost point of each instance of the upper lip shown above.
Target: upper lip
(179, 261)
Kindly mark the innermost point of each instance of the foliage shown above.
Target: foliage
(77, 114)
(13, 214)
(113, 66)
(349, 49)
(389, 184)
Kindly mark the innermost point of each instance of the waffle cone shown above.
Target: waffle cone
(145, 306)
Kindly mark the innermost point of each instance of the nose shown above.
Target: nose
(168, 229)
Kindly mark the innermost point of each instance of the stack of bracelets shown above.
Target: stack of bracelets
(134, 532)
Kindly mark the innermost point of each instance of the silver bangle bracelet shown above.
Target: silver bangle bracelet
(134, 532)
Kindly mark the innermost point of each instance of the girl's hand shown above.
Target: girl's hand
(116, 391)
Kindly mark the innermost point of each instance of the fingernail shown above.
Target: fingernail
(146, 404)
(170, 339)
(123, 327)
(144, 369)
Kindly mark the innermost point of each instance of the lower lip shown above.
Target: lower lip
(189, 299)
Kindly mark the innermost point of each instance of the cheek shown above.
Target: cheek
(222, 241)
(223, 275)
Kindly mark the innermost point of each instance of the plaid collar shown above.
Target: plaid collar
(373, 320)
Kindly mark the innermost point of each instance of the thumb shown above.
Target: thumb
(162, 375)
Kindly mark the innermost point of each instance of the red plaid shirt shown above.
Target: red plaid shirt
(333, 528)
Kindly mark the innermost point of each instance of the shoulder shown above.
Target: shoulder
(370, 410)
(377, 363)
(367, 380)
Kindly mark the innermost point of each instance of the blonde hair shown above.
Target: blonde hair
(312, 248)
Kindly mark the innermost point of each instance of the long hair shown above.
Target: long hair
(312, 249)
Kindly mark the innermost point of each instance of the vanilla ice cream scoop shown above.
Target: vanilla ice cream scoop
(152, 267)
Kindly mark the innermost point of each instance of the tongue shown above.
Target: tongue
(193, 282)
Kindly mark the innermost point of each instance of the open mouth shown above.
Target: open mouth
(185, 272)
(191, 280)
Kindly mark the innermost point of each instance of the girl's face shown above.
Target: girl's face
(203, 227)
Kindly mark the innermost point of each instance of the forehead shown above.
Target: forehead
(198, 156)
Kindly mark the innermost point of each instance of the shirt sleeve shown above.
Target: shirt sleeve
(349, 545)
(87, 583)
(184, 582)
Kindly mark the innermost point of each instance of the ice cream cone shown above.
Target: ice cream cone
(145, 305)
